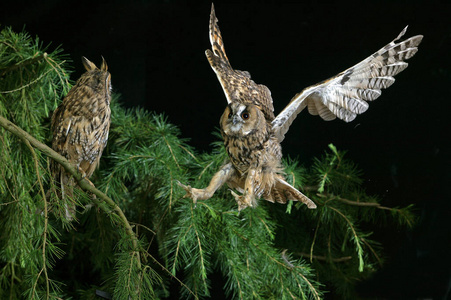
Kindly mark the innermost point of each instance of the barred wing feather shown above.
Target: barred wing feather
(346, 95)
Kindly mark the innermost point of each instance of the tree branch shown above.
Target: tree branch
(356, 203)
(71, 169)
(324, 258)
(23, 64)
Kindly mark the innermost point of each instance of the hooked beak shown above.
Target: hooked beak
(235, 120)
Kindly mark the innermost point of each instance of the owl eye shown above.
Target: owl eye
(245, 115)
(230, 115)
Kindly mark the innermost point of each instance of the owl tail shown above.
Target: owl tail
(67, 196)
(282, 191)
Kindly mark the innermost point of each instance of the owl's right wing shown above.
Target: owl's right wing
(61, 124)
(237, 85)
(346, 95)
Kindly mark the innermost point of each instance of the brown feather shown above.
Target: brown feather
(252, 135)
(80, 126)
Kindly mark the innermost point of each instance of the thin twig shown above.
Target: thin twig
(172, 153)
(7, 203)
(368, 204)
(315, 235)
(24, 63)
(190, 154)
(50, 61)
(356, 203)
(373, 251)
(170, 274)
(28, 84)
(324, 258)
(203, 171)
(356, 237)
(143, 226)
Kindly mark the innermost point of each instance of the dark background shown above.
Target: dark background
(155, 52)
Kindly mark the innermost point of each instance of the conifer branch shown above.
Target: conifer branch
(7, 203)
(205, 169)
(44, 242)
(277, 262)
(24, 63)
(83, 183)
(367, 204)
(172, 153)
(407, 217)
(314, 236)
(373, 251)
(324, 258)
(355, 237)
(26, 85)
(172, 275)
(189, 153)
(50, 61)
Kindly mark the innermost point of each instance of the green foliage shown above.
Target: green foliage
(31, 83)
(166, 245)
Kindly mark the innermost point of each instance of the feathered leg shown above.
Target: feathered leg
(248, 197)
(215, 183)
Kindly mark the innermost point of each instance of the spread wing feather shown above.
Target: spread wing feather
(237, 85)
(346, 95)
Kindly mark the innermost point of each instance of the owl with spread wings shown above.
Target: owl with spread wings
(252, 133)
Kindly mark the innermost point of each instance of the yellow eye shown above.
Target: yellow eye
(245, 115)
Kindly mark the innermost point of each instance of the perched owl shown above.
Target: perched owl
(252, 134)
(80, 127)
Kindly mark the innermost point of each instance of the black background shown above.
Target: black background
(155, 53)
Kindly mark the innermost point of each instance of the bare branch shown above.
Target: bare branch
(324, 258)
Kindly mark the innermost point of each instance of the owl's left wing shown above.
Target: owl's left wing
(237, 85)
(346, 95)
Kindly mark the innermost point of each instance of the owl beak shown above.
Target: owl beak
(236, 120)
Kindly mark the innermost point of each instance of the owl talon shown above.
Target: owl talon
(242, 200)
(190, 192)
(83, 173)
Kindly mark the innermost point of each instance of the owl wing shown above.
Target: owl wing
(60, 127)
(237, 85)
(346, 95)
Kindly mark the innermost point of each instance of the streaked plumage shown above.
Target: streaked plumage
(80, 127)
(252, 134)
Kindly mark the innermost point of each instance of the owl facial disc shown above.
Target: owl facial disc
(237, 120)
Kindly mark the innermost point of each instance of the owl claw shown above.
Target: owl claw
(242, 200)
(190, 192)
(188, 189)
(83, 173)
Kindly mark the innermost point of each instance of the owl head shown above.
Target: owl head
(98, 79)
(241, 119)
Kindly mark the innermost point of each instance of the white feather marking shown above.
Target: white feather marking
(68, 126)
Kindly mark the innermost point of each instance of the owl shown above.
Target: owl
(80, 128)
(252, 133)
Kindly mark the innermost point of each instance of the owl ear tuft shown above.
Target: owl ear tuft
(89, 66)
(104, 66)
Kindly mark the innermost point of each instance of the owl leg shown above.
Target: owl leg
(216, 182)
(292, 193)
(248, 197)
